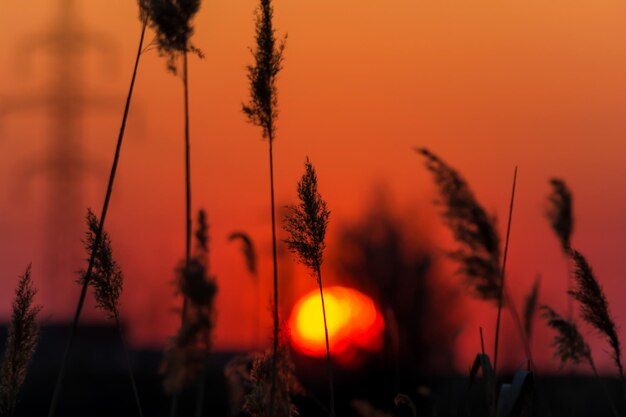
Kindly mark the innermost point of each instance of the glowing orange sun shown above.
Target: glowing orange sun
(355, 325)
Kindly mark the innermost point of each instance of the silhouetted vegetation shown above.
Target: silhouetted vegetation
(306, 224)
(380, 254)
(262, 111)
(21, 344)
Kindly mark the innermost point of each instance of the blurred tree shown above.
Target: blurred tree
(387, 258)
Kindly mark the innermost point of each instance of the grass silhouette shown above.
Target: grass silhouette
(21, 344)
(103, 216)
(262, 111)
(306, 224)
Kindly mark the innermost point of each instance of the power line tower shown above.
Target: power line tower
(64, 164)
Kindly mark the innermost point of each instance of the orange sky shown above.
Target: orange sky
(484, 84)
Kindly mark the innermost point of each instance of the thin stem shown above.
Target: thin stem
(482, 340)
(275, 263)
(187, 200)
(501, 297)
(98, 237)
(187, 164)
(330, 367)
(130, 367)
(257, 313)
(520, 328)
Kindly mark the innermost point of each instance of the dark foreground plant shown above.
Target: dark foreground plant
(561, 218)
(479, 243)
(21, 344)
(143, 14)
(594, 308)
(473, 229)
(107, 281)
(306, 224)
(569, 343)
(559, 212)
(260, 386)
(262, 111)
(172, 22)
(530, 307)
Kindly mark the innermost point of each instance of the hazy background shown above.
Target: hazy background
(486, 85)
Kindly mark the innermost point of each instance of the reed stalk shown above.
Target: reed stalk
(262, 111)
(23, 335)
(98, 237)
(306, 224)
(502, 274)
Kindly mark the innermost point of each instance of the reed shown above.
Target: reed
(478, 252)
(306, 224)
(594, 307)
(569, 343)
(530, 307)
(143, 14)
(262, 111)
(559, 212)
(184, 362)
(570, 346)
(560, 215)
(172, 22)
(107, 281)
(259, 381)
(21, 344)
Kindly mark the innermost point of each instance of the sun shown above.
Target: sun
(355, 324)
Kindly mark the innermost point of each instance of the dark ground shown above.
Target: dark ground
(97, 384)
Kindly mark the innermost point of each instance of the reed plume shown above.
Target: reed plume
(559, 212)
(593, 306)
(259, 380)
(571, 346)
(249, 252)
(530, 307)
(262, 111)
(569, 343)
(21, 344)
(107, 281)
(171, 20)
(143, 15)
(479, 243)
(306, 224)
(106, 277)
(184, 361)
(474, 230)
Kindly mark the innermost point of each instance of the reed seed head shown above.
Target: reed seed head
(185, 356)
(262, 109)
(569, 342)
(21, 344)
(559, 212)
(530, 307)
(306, 223)
(475, 232)
(106, 276)
(248, 249)
(257, 400)
(594, 307)
(171, 20)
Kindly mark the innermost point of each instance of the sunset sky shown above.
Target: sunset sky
(487, 85)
